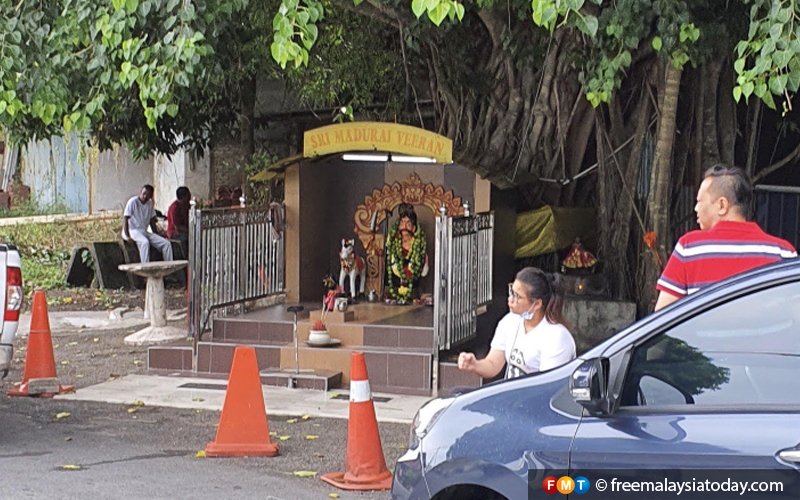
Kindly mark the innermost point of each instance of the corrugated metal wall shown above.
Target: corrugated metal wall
(56, 173)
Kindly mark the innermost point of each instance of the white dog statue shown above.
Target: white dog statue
(352, 265)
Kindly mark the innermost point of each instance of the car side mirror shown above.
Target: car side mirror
(589, 386)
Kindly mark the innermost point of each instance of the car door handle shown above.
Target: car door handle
(790, 455)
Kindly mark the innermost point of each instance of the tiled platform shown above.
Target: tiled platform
(397, 342)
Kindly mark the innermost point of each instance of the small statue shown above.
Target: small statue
(352, 265)
(406, 259)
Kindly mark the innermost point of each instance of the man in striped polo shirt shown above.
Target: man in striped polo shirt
(726, 243)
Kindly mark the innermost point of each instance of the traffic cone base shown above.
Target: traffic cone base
(345, 481)
(40, 387)
(39, 373)
(243, 429)
(241, 450)
(365, 463)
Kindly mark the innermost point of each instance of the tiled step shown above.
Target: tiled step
(350, 334)
(169, 358)
(250, 331)
(390, 370)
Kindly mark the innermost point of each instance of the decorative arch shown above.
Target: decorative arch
(372, 213)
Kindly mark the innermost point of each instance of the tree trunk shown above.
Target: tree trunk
(658, 200)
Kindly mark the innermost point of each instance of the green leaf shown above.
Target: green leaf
(793, 82)
(438, 14)
(118, 4)
(775, 31)
(460, 11)
(737, 93)
(589, 25)
(747, 89)
(131, 5)
(768, 100)
(777, 84)
(657, 43)
(738, 65)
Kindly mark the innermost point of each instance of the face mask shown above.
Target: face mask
(527, 315)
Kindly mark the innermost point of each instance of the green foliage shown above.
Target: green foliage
(262, 192)
(295, 31)
(768, 61)
(31, 208)
(355, 65)
(437, 10)
(123, 70)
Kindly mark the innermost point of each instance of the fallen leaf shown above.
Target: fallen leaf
(312, 437)
(73, 343)
(306, 417)
(71, 467)
(96, 339)
(78, 375)
(133, 410)
(291, 421)
(333, 495)
(55, 346)
(284, 438)
(138, 402)
(200, 454)
(68, 439)
(198, 400)
(67, 300)
(305, 473)
(65, 362)
(137, 362)
(273, 433)
(198, 410)
(63, 414)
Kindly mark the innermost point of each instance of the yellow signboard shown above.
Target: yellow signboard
(376, 136)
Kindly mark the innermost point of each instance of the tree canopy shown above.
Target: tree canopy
(618, 104)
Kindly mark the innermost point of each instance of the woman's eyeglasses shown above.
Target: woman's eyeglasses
(514, 296)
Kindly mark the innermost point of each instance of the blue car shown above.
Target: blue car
(711, 382)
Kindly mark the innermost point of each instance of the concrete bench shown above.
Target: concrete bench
(106, 257)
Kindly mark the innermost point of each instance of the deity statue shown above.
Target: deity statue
(406, 261)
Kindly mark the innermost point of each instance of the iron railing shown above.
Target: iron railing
(235, 255)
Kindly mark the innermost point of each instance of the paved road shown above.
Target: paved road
(149, 452)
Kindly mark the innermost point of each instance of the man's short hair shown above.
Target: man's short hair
(733, 184)
(182, 193)
(149, 187)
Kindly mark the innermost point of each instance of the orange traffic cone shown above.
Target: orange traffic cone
(366, 467)
(39, 373)
(243, 429)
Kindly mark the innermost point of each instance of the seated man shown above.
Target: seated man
(178, 216)
(138, 215)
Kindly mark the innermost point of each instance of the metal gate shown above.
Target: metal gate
(777, 211)
(463, 281)
(235, 255)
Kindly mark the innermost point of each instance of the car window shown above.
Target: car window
(744, 352)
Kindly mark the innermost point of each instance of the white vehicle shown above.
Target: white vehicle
(11, 297)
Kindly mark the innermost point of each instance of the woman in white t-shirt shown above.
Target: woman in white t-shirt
(532, 336)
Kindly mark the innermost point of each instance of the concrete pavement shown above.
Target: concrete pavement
(207, 393)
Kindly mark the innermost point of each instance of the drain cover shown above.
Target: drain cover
(377, 399)
(194, 385)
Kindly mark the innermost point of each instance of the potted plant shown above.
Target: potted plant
(318, 334)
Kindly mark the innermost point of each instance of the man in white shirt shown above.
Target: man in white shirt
(138, 215)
